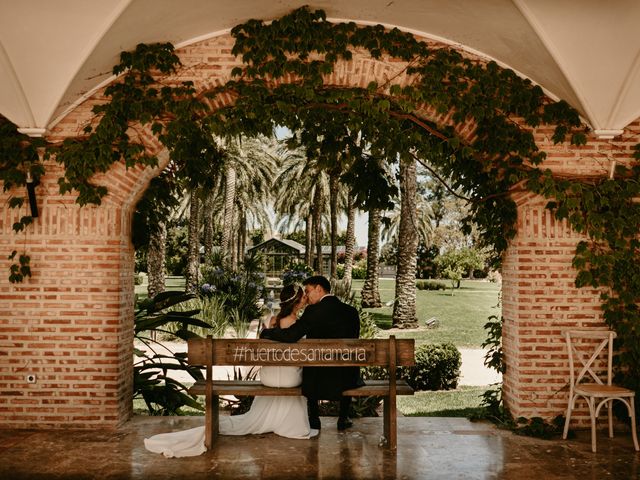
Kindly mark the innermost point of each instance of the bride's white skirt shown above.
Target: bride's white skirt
(285, 416)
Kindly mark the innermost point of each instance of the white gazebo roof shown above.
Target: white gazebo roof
(586, 52)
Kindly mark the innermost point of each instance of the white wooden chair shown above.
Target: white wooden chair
(581, 344)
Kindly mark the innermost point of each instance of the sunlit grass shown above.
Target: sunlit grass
(171, 283)
(460, 318)
(461, 402)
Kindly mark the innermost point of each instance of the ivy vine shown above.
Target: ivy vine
(282, 82)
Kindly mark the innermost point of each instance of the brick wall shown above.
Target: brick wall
(539, 296)
(71, 323)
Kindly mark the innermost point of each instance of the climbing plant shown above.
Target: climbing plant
(285, 79)
(19, 164)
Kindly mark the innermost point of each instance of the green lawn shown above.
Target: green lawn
(461, 317)
(170, 283)
(443, 403)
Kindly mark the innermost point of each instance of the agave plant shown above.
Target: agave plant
(163, 395)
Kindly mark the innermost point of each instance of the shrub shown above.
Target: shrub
(437, 367)
(424, 285)
(359, 271)
(212, 311)
(239, 290)
(163, 395)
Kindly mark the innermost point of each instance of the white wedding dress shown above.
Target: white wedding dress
(285, 416)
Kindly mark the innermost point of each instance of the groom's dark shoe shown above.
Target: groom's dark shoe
(315, 423)
(344, 423)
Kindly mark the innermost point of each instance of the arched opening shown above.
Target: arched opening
(95, 242)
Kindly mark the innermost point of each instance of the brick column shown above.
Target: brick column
(70, 324)
(539, 302)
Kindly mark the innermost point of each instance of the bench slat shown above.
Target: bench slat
(240, 387)
(305, 352)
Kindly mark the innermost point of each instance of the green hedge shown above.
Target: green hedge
(427, 285)
(437, 367)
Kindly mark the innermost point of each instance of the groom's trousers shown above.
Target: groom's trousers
(314, 409)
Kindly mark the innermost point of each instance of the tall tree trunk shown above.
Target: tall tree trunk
(334, 188)
(156, 259)
(370, 292)
(308, 241)
(317, 224)
(193, 249)
(404, 307)
(350, 243)
(242, 233)
(229, 203)
(233, 244)
(207, 220)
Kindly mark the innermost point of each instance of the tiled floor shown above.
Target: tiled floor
(432, 448)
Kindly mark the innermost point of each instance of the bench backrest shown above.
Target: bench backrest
(305, 352)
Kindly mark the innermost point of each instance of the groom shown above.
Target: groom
(325, 317)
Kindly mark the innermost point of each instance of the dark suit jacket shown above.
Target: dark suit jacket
(329, 318)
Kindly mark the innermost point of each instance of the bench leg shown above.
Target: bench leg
(211, 420)
(390, 421)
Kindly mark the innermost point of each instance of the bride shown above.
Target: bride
(285, 416)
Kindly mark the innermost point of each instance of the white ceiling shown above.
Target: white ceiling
(586, 52)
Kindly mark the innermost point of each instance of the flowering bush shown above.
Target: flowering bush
(240, 291)
(296, 272)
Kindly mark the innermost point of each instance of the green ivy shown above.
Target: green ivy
(19, 161)
(281, 82)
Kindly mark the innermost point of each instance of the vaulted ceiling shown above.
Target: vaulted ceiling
(587, 52)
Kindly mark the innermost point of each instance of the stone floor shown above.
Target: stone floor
(431, 448)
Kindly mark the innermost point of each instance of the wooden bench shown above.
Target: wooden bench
(389, 353)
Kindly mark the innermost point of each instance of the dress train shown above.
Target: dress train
(284, 416)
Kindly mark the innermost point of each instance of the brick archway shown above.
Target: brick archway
(71, 323)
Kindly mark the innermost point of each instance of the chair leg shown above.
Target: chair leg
(610, 407)
(568, 418)
(592, 412)
(632, 414)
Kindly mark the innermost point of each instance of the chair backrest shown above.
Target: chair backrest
(587, 347)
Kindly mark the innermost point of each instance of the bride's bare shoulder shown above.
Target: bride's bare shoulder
(272, 322)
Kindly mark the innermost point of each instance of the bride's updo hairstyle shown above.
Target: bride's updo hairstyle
(289, 298)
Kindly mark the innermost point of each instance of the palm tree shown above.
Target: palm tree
(248, 170)
(423, 222)
(302, 192)
(229, 198)
(254, 187)
(404, 307)
(350, 242)
(193, 252)
(370, 179)
(209, 220)
(370, 292)
(156, 258)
